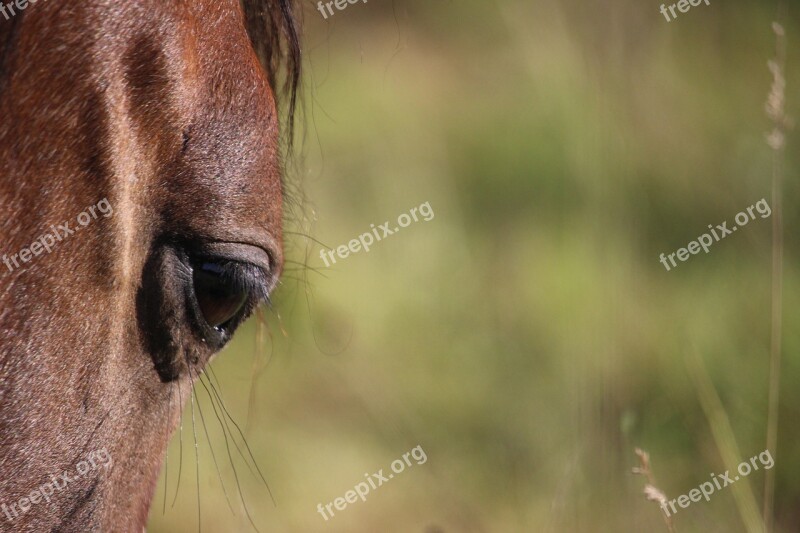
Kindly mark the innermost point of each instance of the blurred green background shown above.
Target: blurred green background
(527, 337)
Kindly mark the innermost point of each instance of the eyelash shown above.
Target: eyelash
(244, 276)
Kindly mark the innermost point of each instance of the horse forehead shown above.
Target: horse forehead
(200, 109)
(189, 128)
(195, 65)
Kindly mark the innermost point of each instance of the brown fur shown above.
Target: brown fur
(163, 108)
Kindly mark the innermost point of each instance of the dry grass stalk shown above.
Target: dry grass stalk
(775, 108)
(651, 490)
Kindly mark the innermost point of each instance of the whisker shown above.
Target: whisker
(180, 448)
(213, 455)
(233, 439)
(258, 365)
(249, 451)
(292, 278)
(305, 266)
(281, 325)
(309, 237)
(197, 463)
(166, 456)
(228, 449)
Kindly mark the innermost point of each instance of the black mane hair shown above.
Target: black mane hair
(273, 28)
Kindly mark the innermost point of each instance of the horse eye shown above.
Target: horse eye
(219, 298)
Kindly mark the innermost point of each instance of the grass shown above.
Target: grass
(526, 337)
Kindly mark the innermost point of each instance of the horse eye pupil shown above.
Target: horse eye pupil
(219, 300)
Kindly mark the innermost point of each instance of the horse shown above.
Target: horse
(141, 148)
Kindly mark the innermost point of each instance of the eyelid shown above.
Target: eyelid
(246, 276)
(239, 252)
(247, 265)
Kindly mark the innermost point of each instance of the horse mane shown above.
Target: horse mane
(273, 28)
